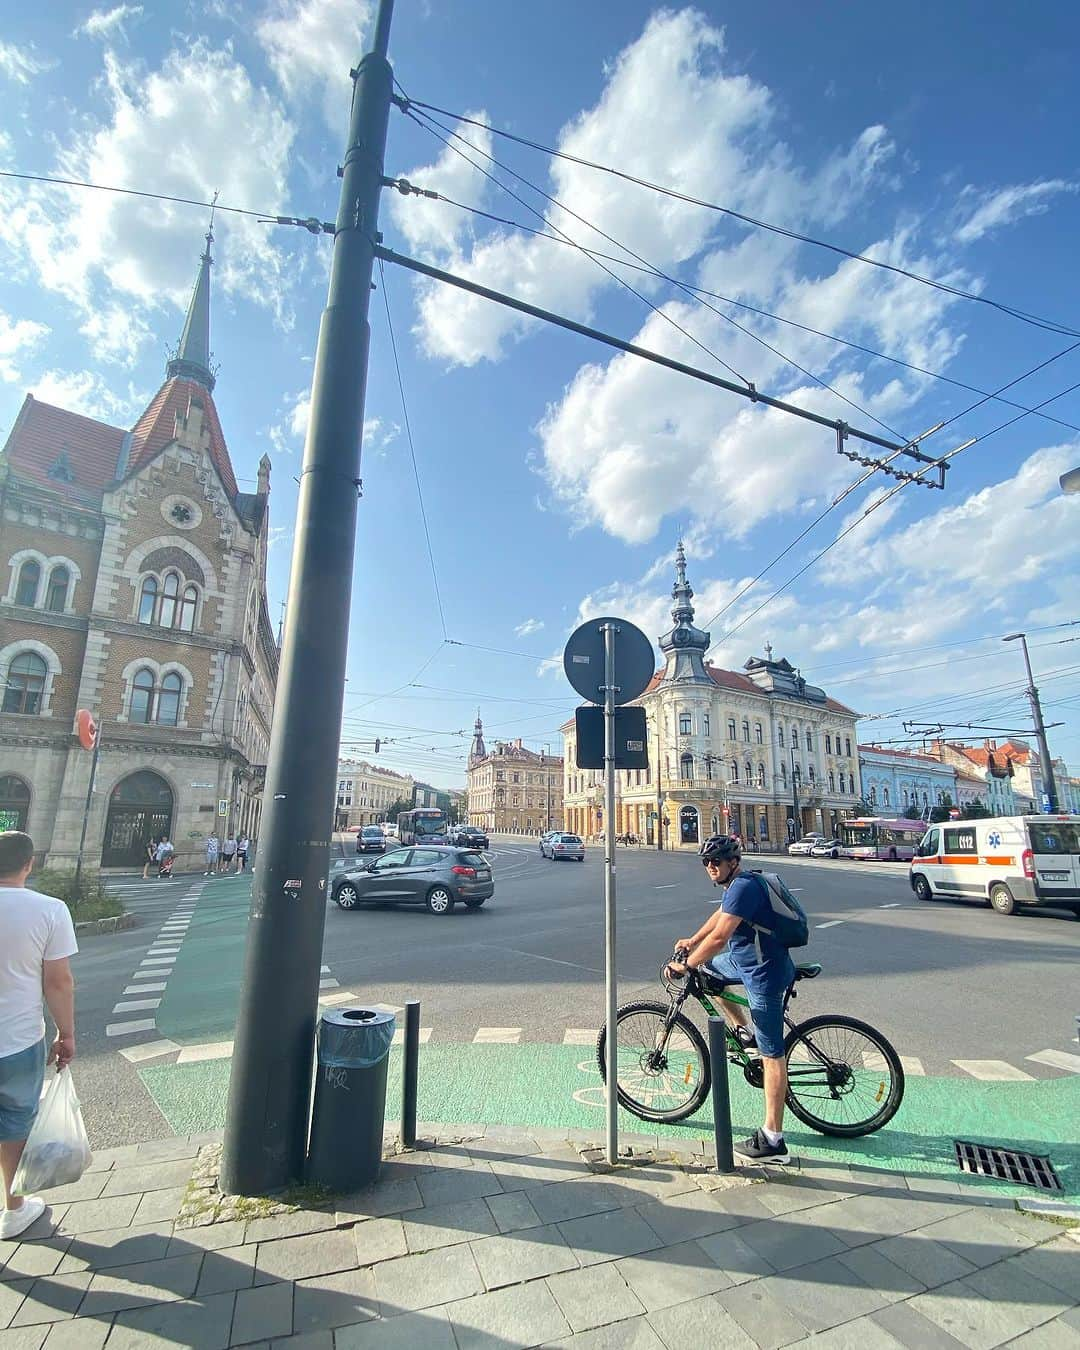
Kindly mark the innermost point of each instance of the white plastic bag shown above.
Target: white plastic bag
(57, 1150)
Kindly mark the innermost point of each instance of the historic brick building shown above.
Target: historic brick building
(513, 790)
(133, 585)
(759, 751)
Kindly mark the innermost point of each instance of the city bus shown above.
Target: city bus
(881, 837)
(422, 825)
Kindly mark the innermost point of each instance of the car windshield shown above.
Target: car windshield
(372, 832)
(570, 839)
(428, 825)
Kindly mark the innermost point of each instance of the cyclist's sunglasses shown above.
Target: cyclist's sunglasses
(716, 862)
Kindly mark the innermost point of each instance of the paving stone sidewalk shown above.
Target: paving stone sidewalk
(494, 1239)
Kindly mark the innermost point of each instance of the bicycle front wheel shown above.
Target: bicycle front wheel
(662, 1062)
(844, 1078)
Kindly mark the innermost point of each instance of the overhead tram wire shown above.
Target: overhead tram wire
(752, 309)
(674, 281)
(406, 103)
(412, 450)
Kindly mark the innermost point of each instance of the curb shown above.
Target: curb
(116, 924)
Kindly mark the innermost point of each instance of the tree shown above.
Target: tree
(975, 811)
(396, 807)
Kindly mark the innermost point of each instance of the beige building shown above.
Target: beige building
(133, 586)
(365, 793)
(758, 752)
(512, 790)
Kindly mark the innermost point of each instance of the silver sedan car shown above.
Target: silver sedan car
(557, 846)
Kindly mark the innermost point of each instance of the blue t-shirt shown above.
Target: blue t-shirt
(772, 972)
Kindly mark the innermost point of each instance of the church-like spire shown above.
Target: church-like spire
(192, 359)
(477, 751)
(685, 645)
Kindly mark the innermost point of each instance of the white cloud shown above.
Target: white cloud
(164, 130)
(432, 227)
(84, 391)
(312, 45)
(116, 333)
(18, 338)
(991, 210)
(103, 23)
(529, 627)
(20, 64)
(288, 434)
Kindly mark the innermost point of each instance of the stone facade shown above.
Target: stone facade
(759, 752)
(133, 585)
(365, 793)
(512, 790)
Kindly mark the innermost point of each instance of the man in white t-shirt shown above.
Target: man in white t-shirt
(36, 939)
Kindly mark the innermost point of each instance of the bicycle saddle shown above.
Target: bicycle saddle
(807, 970)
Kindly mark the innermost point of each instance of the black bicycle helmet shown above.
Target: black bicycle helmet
(720, 848)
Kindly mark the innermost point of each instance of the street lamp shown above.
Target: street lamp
(1049, 786)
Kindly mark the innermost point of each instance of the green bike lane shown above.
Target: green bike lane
(559, 1086)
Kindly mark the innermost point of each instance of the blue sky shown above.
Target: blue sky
(557, 475)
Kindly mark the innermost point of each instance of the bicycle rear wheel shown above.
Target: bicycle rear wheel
(658, 1078)
(844, 1078)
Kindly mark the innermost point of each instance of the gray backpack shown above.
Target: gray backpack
(788, 925)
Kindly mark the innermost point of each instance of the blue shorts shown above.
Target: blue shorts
(766, 1010)
(21, 1079)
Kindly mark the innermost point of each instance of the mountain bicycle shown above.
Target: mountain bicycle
(844, 1078)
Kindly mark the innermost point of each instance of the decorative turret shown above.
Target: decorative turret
(192, 359)
(685, 645)
(477, 751)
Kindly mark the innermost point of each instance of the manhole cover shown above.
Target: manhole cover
(1006, 1164)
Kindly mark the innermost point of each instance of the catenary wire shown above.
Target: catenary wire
(412, 449)
(1024, 315)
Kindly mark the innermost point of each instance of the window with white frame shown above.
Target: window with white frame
(154, 698)
(24, 685)
(761, 774)
(759, 735)
(780, 734)
(794, 738)
(746, 729)
(684, 724)
(168, 602)
(26, 588)
(705, 724)
(731, 728)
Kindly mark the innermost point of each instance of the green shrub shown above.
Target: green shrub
(87, 897)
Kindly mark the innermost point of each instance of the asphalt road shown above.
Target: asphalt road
(948, 983)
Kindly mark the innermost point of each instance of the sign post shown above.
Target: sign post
(609, 661)
(89, 733)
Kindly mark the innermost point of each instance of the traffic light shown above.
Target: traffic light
(377, 744)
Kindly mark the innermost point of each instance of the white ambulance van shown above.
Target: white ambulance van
(1010, 861)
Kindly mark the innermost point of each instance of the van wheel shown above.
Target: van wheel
(922, 888)
(1001, 899)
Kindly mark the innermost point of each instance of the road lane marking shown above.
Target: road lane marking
(993, 1070)
(895, 905)
(144, 988)
(497, 1036)
(328, 982)
(579, 1036)
(195, 1054)
(1057, 1059)
(670, 886)
(334, 1000)
(399, 1036)
(831, 924)
(129, 1028)
(137, 1005)
(158, 961)
(912, 1066)
(148, 975)
(136, 1054)
(163, 949)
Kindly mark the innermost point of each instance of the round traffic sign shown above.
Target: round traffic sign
(583, 660)
(86, 729)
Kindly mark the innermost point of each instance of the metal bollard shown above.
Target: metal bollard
(721, 1096)
(409, 1072)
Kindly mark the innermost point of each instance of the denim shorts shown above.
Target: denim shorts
(21, 1078)
(766, 1010)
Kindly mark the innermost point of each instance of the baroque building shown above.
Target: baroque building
(758, 752)
(133, 586)
(366, 792)
(512, 790)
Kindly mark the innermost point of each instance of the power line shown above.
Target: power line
(406, 104)
(412, 449)
(694, 295)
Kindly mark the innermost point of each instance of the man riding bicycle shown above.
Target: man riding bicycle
(762, 965)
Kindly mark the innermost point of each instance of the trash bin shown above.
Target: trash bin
(345, 1150)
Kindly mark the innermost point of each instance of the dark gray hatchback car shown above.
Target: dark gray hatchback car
(435, 876)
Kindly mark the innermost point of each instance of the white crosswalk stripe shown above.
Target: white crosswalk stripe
(130, 1028)
(138, 1054)
(993, 1070)
(137, 1005)
(497, 1036)
(1057, 1059)
(399, 1036)
(196, 1054)
(579, 1036)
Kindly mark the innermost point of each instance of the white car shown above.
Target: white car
(804, 845)
(826, 848)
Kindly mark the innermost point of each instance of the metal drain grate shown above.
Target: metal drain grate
(1006, 1164)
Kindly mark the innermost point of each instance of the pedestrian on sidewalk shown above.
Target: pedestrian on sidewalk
(150, 854)
(36, 939)
(242, 845)
(213, 849)
(164, 855)
(758, 961)
(228, 853)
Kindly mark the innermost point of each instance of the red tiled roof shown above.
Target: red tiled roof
(1019, 754)
(732, 679)
(42, 432)
(157, 427)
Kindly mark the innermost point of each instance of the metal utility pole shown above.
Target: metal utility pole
(795, 793)
(270, 1088)
(659, 794)
(612, 992)
(1049, 785)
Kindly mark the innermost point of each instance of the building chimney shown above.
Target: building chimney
(989, 744)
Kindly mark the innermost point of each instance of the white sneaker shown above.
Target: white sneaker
(16, 1221)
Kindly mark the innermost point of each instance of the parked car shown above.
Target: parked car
(468, 836)
(826, 848)
(390, 830)
(805, 844)
(558, 846)
(437, 877)
(370, 839)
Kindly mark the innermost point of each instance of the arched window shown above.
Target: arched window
(734, 770)
(885, 796)
(832, 781)
(783, 775)
(15, 803)
(809, 739)
(142, 696)
(780, 733)
(842, 788)
(794, 738)
(186, 611)
(56, 595)
(761, 774)
(758, 733)
(749, 773)
(686, 768)
(148, 597)
(170, 589)
(745, 729)
(810, 775)
(29, 579)
(25, 684)
(873, 796)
